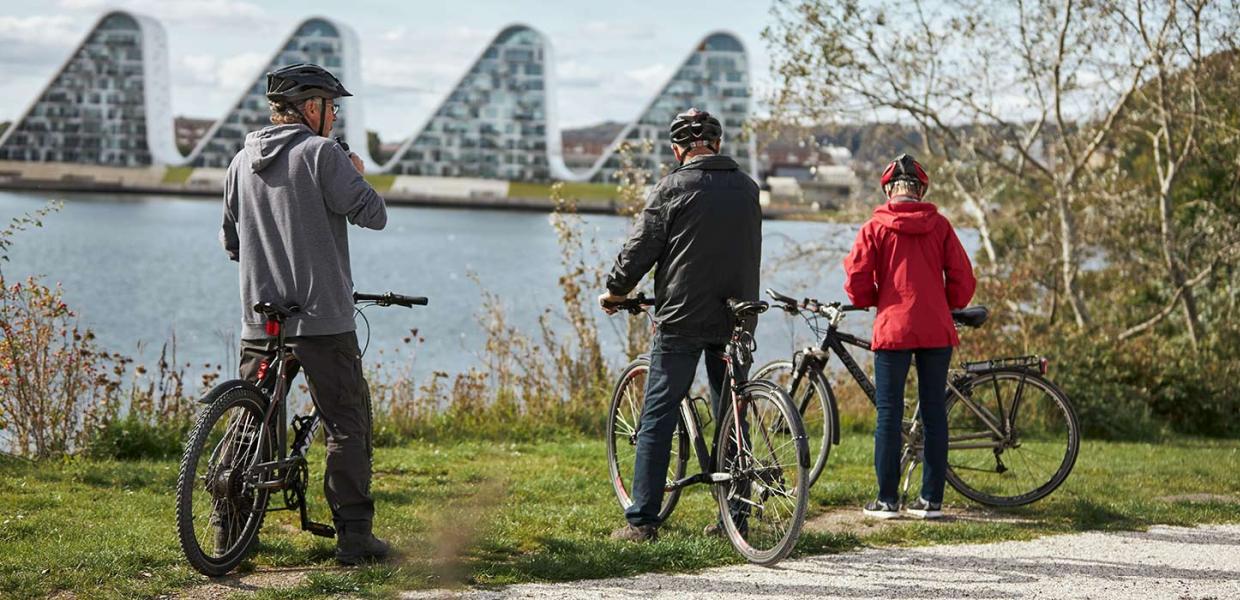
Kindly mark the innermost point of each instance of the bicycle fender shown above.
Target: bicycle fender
(227, 386)
(835, 411)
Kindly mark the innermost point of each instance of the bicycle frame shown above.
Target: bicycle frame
(729, 406)
(833, 342)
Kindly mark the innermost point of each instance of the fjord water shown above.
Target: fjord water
(139, 269)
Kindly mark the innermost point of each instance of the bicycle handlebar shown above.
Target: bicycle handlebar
(390, 298)
(791, 305)
(633, 305)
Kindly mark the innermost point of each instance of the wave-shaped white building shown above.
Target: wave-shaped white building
(109, 105)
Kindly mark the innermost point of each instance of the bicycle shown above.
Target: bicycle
(222, 500)
(1006, 445)
(760, 463)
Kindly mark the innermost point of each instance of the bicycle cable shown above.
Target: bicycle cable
(358, 310)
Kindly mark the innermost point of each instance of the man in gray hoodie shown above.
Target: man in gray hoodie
(288, 198)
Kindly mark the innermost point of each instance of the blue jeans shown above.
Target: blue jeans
(890, 372)
(673, 364)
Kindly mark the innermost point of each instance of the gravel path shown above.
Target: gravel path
(1164, 562)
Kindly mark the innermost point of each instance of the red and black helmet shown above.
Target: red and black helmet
(905, 168)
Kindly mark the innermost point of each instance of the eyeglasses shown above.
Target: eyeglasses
(335, 108)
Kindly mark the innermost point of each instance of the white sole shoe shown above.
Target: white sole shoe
(924, 513)
(881, 514)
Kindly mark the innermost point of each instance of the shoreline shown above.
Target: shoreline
(401, 190)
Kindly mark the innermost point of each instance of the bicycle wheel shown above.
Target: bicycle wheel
(762, 506)
(218, 514)
(1005, 458)
(623, 419)
(817, 412)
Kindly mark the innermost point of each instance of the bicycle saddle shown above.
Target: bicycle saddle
(746, 308)
(276, 312)
(972, 316)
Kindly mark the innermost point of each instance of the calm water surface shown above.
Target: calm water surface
(140, 269)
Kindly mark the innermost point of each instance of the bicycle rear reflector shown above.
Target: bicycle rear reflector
(273, 328)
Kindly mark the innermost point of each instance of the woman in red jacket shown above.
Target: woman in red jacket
(908, 262)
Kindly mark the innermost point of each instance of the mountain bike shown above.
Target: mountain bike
(239, 454)
(1013, 436)
(759, 467)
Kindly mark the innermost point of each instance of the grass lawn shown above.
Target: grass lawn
(482, 512)
(581, 191)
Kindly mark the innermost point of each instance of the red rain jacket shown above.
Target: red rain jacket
(909, 263)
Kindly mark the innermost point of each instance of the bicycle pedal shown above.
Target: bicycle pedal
(320, 529)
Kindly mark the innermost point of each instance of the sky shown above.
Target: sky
(610, 57)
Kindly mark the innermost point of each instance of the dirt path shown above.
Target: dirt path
(1164, 562)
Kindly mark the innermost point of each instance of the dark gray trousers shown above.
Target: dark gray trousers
(333, 366)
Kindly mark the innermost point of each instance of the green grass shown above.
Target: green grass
(381, 183)
(581, 191)
(177, 175)
(491, 513)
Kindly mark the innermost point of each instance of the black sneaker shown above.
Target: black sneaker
(924, 509)
(355, 544)
(636, 533)
(881, 510)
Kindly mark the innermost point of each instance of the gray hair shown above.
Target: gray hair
(285, 113)
(904, 187)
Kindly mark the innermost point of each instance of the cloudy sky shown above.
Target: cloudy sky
(611, 57)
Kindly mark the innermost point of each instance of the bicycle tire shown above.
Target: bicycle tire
(1065, 466)
(819, 432)
(619, 427)
(749, 540)
(221, 399)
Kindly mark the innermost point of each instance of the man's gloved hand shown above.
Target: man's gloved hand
(606, 298)
(357, 163)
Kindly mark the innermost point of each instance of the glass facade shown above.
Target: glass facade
(94, 110)
(315, 41)
(109, 106)
(714, 78)
(494, 123)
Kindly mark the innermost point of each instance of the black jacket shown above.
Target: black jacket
(702, 226)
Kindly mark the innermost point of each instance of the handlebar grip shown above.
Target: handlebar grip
(410, 300)
(390, 298)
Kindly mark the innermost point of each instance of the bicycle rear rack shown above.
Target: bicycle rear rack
(1028, 363)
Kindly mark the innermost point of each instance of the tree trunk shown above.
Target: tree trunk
(1069, 258)
(975, 208)
(1187, 298)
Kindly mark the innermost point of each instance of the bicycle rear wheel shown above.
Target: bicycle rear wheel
(763, 506)
(1001, 458)
(218, 513)
(811, 400)
(623, 420)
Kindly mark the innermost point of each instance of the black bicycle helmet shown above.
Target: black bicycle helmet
(694, 128)
(302, 81)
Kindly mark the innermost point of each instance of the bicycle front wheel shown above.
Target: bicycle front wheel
(218, 511)
(623, 425)
(761, 446)
(1013, 438)
(811, 398)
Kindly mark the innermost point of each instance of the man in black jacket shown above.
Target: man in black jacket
(702, 227)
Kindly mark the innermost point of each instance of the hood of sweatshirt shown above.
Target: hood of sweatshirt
(907, 217)
(263, 146)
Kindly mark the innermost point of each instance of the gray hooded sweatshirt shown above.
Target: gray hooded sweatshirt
(287, 196)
